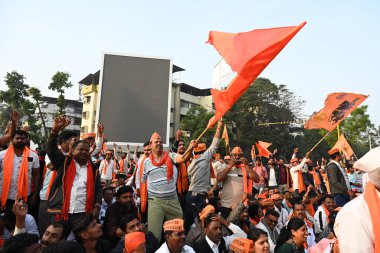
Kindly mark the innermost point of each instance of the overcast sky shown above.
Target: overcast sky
(338, 50)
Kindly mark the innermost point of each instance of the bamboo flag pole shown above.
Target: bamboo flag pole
(319, 142)
(197, 140)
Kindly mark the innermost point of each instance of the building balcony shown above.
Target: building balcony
(87, 89)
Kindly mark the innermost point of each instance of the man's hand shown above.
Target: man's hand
(114, 145)
(127, 146)
(221, 220)
(20, 209)
(307, 155)
(178, 135)
(232, 162)
(275, 151)
(244, 160)
(15, 116)
(100, 129)
(60, 123)
(193, 144)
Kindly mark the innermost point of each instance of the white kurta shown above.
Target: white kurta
(353, 227)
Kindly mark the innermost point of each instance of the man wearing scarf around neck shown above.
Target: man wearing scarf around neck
(77, 190)
(158, 172)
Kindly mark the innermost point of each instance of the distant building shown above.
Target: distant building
(184, 97)
(73, 110)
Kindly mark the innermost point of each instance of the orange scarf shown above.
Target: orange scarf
(246, 180)
(68, 180)
(121, 166)
(372, 199)
(52, 178)
(143, 188)
(22, 183)
(301, 184)
(164, 160)
(106, 165)
(317, 180)
(310, 209)
(327, 212)
(183, 178)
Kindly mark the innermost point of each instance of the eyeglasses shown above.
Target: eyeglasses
(273, 221)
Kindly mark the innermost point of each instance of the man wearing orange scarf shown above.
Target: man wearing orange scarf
(108, 168)
(158, 172)
(77, 189)
(237, 180)
(357, 225)
(296, 174)
(321, 216)
(19, 168)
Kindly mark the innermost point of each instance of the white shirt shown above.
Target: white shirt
(30, 226)
(45, 184)
(283, 217)
(217, 166)
(272, 244)
(317, 222)
(353, 226)
(294, 173)
(34, 163)
(272, 178)
(138, 179)
(79, 190)
(164, 249)
(109, 169)
(237, 232)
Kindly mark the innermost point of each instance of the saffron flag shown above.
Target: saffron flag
(262, 148)
(344, 147)
(337, 107)
(225, 136)
(248, 54)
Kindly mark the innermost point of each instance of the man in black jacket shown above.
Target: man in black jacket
(72, 195)
(338, 180)
(273, 175)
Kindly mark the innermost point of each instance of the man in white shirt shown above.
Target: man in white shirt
(214, 241)
(295, 169)
(321, 216)
(357, 224)
(283, 218)
(107, 168)
(268, 224)
(174, 232)
(19, 169)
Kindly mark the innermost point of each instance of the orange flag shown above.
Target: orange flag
(225, 136)
(248, 54)
(262, 147)
(344, 147)
(337, 107)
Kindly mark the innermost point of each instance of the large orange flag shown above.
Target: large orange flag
(225, 136)
(344, 147)
(337, 107)
(262, 148)
(248, 54)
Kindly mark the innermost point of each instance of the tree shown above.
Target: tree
(35, 93)
(60, 82)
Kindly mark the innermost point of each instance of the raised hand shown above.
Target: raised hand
(100, 128)
(60, 123)
(15, 116)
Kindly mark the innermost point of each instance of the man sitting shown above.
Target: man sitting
(268, 224)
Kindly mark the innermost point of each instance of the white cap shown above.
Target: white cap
(370, 161)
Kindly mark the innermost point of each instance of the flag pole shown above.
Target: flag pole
(197, 140)
(311, 150)
(338, 130)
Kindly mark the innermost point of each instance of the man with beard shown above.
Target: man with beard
(321, 217)
(19, 170)
(130, 224)
(273, 175)
(88, 233)
(299, 211)
(124, 205)
(174, 232)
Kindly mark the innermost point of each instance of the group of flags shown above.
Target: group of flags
(248, 54)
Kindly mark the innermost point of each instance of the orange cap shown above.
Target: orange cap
(206, 211)
(237, 151)
(154, 136)
(174, 225)
(133, 240)
(242, 245)
(87, 135)
(200, 147)
(333, 151)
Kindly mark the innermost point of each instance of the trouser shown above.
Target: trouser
(43, 217)
(160, 210)
(187, 214)
(341, 199)
(195, 204)
(282, 188)
(225, 211)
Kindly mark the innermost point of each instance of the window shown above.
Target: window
(87, 99)
(77, 121)
(85, 115)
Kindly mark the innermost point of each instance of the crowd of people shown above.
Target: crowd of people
(79, 195)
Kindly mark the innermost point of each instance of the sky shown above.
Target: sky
(337, 51)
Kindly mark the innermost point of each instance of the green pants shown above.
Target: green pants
(160, 210)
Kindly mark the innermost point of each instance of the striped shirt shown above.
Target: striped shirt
(158, 185)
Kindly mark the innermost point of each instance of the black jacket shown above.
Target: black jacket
(203, 247)
(336, 179)
(61, 163)
(276, 174)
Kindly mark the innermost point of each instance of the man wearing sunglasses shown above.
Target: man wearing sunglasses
(268, 224)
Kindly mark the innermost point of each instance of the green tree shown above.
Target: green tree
(36, 95)
(60, 82)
